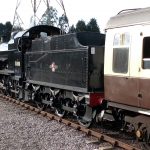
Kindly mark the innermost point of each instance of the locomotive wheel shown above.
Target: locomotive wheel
(2, 91)
(86, 117)
(40, 105)
(58, 107)
(16, 88)
(59, 112)
(17, 95)
(38, 100)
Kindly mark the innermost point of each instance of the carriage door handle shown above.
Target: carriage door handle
(139, 95)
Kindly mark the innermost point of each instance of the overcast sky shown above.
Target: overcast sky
(76, 10)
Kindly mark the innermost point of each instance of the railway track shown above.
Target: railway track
(100, 136)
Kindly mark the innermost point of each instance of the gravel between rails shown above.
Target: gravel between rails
(21, 129)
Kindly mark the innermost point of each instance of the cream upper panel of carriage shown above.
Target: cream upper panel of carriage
(123, 51)
(127, 47)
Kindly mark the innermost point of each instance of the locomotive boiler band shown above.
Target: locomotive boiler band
(85, 73)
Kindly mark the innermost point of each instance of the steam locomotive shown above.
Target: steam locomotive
(86, 74)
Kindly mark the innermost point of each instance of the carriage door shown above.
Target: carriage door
(123, 84)
(144, 70)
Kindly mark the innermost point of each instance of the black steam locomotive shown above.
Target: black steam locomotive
(65, 72)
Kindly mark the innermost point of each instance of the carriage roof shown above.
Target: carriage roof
(130, 17)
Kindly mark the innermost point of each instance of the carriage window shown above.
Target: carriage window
(121, 52)
(146, 53)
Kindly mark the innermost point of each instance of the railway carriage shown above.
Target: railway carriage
(127, 67)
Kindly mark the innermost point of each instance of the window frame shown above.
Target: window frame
(121, 42)
(145, 60)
